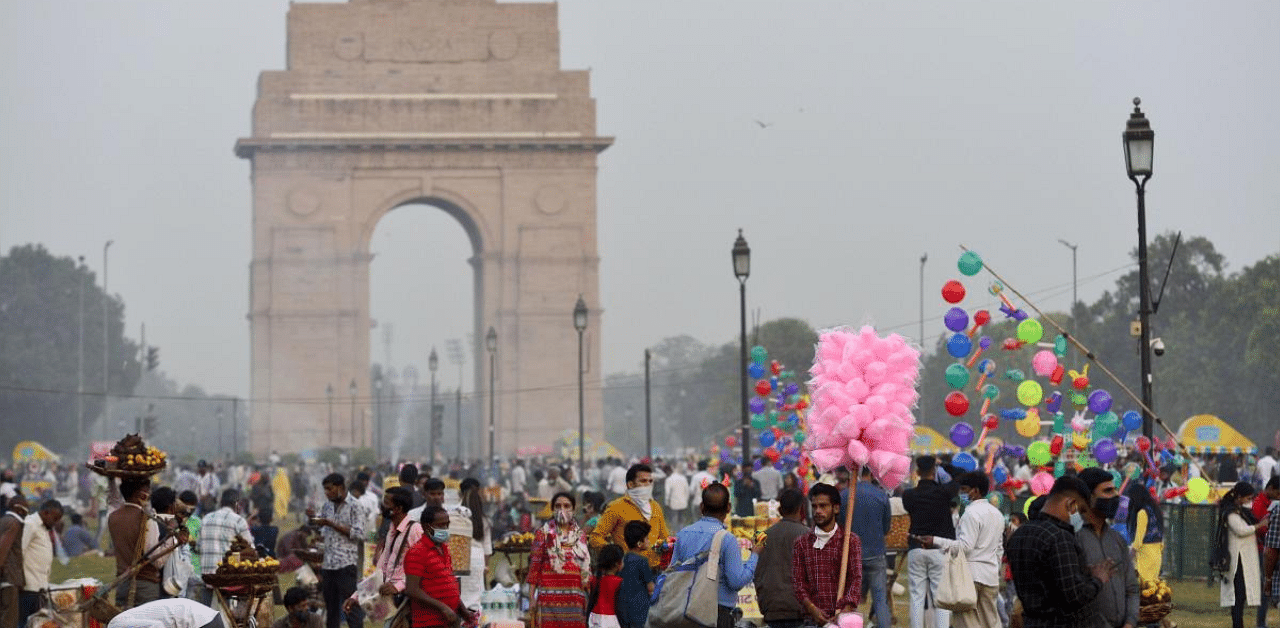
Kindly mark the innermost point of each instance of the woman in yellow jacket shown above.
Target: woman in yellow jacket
(1146, 531)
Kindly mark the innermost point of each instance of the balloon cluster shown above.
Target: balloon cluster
(864, 387)
(1052, 390)
(777, 414)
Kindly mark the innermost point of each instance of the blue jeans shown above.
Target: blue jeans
(874, 578)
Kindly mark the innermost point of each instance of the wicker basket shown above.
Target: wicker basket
(1153, 613)
(232, 580)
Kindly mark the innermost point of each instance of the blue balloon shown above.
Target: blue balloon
(965, 461)
(1132, 421)
(1000, 475)
(1013, 414)
(767, 438)
(756, 371)
(959, 346)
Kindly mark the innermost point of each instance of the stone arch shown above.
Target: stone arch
(459, 105)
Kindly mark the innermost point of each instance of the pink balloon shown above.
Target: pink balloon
(1041, 483)
(1044, 362)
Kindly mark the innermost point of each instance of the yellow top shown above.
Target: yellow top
(614, 520)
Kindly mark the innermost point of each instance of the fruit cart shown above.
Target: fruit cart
(242, 585)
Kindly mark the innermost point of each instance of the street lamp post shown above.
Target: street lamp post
(106, 339)
(1139, 149)
(217, 413)
(580, 324)
(491, 345)
(433, 363)
(924, 257)
(1075, 297)
(328, 393)
(377, 414)
(352, 389)
(80, 364)
(741, 270)
(648, 429)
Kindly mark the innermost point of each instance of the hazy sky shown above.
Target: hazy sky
(893, 129)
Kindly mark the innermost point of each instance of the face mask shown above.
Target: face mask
(301, 616)
(641, 493)
(440, 536)
(1077, 521)
(965, 500)
(1108, 506)
(386, 513)
(564, 516)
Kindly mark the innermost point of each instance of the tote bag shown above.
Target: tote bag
(956, 592)
(687, 593)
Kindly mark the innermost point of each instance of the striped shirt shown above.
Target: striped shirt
(217, 530)
(431, 562)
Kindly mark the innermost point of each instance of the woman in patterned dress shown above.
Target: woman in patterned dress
(559, 568)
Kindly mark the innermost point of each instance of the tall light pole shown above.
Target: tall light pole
(648, 430)
(328, 393)
(106, 339)
(924, 257)
(433, 363)
(352, 390)
(217, 413)
(580, 324)
(1139, 150)
(1075, 297)
(491, 345)
(742, 270)
(454, 347)
(80, 363)
(377, 414)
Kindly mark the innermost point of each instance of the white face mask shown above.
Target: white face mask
(641, 493)
(564, 516)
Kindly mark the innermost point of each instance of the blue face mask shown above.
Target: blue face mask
(440, 536)
(965, 500)
(1077, 521)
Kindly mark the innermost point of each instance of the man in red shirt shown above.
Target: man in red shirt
(815, 561)
(435, 599)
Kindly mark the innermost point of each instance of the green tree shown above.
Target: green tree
(40, 316)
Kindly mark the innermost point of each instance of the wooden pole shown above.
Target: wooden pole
(848, 523)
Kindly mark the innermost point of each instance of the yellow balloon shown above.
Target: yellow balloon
(1079, 440)
(1029, 426)
(1030, 393)
(1197, 490)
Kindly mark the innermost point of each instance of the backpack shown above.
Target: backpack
(686, 594)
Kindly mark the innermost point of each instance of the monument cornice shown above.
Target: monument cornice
(247, 147)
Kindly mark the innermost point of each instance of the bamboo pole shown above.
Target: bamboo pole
(848, 523)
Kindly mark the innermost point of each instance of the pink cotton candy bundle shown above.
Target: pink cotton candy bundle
(864, 387)
(848, 620)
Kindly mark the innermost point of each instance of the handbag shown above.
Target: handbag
(686, 594)
(957, 592)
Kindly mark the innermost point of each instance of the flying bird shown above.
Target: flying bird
(764, 125)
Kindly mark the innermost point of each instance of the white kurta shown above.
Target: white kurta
(1243, 550)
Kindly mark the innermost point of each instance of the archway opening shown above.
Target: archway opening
(423, 294)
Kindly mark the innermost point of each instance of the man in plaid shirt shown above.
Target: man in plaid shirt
(217, 530)
(341, 522)
(1053, 583)
(815, 561)
(1271, 553)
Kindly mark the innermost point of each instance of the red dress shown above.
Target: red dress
(606, 598)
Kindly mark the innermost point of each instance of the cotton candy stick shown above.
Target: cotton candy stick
(989, 422)
(980, 318)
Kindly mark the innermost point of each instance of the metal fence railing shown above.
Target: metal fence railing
(1188, 535)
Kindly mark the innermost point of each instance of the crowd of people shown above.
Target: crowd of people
(598, 548)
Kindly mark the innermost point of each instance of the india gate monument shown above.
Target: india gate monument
(457, 104)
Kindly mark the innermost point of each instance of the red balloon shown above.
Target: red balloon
(1056, 377)
(763, 388)
(956, 403)
(991, 421)
(953, 291)
(802, 404)
(1080, 383)
(1055, 445)
(775, 368)
(1143, 443)
(730, 441)
(771, 453)
(777, 431)
(982, 317)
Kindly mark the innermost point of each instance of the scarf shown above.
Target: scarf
(565, 545)
(640, 497)
(821, 538)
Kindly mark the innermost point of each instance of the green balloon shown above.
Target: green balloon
(1060, 347)
(1105, 426)
(1030, 330)
(798, 437)
(990, 391)
(773, 417)
(970, 263)
(957, 376)
(1059, 468)
(759, 355)
(758, 422)
(1015, 375)
(1059, 423)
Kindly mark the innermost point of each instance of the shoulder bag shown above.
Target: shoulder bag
(957, 592)
(687, 593)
